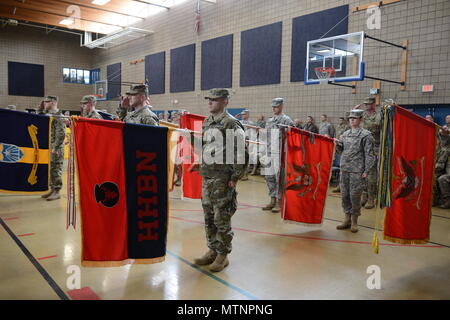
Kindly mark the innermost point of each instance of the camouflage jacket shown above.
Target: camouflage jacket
(142, 116)
(443, 162)
(94, 115)
(311, 127)
(357, 151)
(326, 128)
(273, 123)
(261, 123)
(373, 124)
(340, 129)
(212, 126)
(58, 130)
(249, 132)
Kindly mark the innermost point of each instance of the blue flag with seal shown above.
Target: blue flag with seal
(24, 152)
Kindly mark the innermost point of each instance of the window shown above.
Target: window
(81, 76)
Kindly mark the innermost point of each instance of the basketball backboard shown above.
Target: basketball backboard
(101, 90)
(339, 56)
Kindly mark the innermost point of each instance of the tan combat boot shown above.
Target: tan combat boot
(337, 190)
(370, 202)
(220, 263)
(446, 204)
(206, 259)
(270, 206)
(363, 199)
(354, 227)
(277, 207)
(346, 223)
(54, 196)
(48, 194)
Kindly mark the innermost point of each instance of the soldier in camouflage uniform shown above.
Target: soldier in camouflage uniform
(325, 127)
(443, 177)
(356, 146)
(340, 129)
(219, 179)
(58, 134)
(87, 104)
(371, 121)
(250, 134)
(135, 108)
(271, 161)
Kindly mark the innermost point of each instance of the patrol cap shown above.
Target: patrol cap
(218, 93)
(87, 99)
(355, 113)
(277, 102)
(51, 99)
(369, 100)
(245, 111)
(137, 89)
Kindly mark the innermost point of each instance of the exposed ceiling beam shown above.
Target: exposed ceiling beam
(48, 19)
(20, 5)
(77, 3)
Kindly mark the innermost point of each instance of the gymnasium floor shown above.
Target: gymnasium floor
(270, 259)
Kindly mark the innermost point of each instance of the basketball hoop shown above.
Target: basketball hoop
(99, 96)
(325, 73)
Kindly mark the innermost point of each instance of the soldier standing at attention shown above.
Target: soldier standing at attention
(58, 134)
(261, 122)
(87, 104)
(341, 127)
(357, 159)
(135, 108)
(326, 128)
(250, 134)
(310, 126)
(219, 180)
(272, 163)
(371, 121)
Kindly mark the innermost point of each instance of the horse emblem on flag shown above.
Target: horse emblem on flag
(303, 180)
(410, 175)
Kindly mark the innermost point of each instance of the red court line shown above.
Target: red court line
(316, 238)
(49, 257)
(85, 293)
(12, 218)
(25, 234)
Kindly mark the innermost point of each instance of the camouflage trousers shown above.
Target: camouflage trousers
(219, 205)
(56, 168)
(444, 186)
(352, 186)
(272, 184)
(372, 179)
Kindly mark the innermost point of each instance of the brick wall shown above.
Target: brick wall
(55, 51)
(426, 24)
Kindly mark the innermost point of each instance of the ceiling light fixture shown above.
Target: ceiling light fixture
(100, 2)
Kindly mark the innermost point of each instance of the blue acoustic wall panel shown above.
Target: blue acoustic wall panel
(182, 69)
(261, 55)
(311, 27)
(217, 63)
(25, 79)
(114, 77)
(155, 72)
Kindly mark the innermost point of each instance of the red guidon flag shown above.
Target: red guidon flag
(122, 170)
(307, 167)
(407, 220)
(192, 181)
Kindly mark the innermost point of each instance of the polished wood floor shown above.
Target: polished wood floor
(270, 259)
